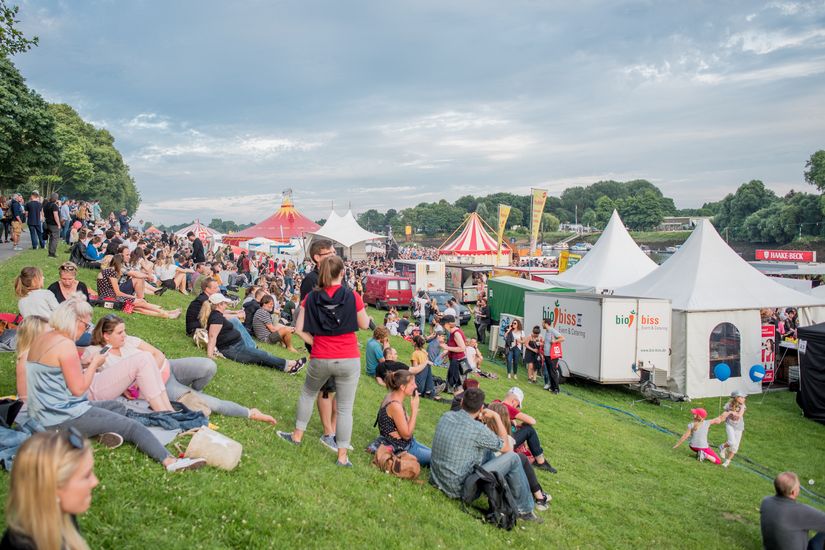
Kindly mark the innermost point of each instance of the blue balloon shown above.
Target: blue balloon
(757, 373)
(721, 371)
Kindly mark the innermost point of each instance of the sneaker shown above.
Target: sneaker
(287, 436)
(509, 376)
(530, 516)
(183, 464)
(546, 467)
(726, 463)
(346, 464)
(329, 442)
(110, 440)
(723, 452)
(299, 364)
(702, 456)
(547, 387)
(542, 503)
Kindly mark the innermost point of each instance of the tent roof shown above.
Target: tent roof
(473, 240)
(152, 229)
(281, 226)
(200, 230)
(615, 260)
(705, 274)
(345, 230)
(526, 284)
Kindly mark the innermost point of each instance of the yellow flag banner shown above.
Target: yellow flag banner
(539, 197)
(503, 214)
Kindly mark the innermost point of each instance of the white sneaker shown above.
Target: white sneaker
(702, 456)
(726, 463)
(723, 452)
(182, 464)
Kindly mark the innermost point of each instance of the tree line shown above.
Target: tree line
(49, 147)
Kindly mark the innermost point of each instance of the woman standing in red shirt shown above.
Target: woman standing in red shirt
(328, 320)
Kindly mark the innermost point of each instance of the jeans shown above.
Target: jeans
(424, 381)
(421, 452)
(36, 232)
(509, 465)
(66, 232)
(817, 542)
(528, 433)
(241, 353)
(513, 356)
(192, 371)
(84, 340)
(5, 231)
(346, 373)
(110, 416)
(245, 336)
(551, 373)
(454, 376)
(54, 236)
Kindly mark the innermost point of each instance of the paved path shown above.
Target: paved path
(6, 252)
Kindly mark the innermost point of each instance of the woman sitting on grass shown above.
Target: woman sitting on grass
(421, 367)
(225, 338)
(541, 497)
(34, 299)
(131, 360)
(114, 284)
(393, 423)
(267, 330)
(51, 484)
(170, 275)
(67, 283)
(57, 386)
(698, 433)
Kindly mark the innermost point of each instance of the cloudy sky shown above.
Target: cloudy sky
(219, 106)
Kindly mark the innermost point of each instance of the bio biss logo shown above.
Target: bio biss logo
(560, 316)
(630, 318)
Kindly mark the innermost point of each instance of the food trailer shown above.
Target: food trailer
(462, 280)
(423, 274)
(606, 337)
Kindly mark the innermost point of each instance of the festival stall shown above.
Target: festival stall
(615, 260)
(811, 396)
(283, 226)
(351, 238)
(208, 236)
(717, 338)
(474, 245)
(423, 274)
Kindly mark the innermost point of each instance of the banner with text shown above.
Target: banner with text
(807, 256)
(768, 351)
(503, 214)
(539, 198)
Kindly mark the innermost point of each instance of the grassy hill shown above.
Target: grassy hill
(620, 485)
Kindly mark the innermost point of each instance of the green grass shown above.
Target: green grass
(620, 485)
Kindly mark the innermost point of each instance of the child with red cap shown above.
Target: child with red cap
(698, 433)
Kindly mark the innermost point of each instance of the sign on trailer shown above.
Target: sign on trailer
(805, 256)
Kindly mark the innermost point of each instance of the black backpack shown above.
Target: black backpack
(501, 510)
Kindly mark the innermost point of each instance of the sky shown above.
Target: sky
(219, 106)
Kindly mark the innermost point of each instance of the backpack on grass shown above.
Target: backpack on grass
(501, 510)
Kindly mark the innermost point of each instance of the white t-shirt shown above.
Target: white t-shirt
(450, 311)
(392, 326)
(699, 439)
(471, 353)
(165, 273)
(736, 420)
(38, 302)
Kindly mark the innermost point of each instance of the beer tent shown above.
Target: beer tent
(345, 231)
(716, 297)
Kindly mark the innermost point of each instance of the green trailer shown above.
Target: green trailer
(506, 294)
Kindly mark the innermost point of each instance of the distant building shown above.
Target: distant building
(681, 223)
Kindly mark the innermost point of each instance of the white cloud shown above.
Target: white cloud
(148, 121)
(648, 72)
(761, 42)
(192, 143)
(798, 69)
(447, 121)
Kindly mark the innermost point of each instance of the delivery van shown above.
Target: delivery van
(383, 291)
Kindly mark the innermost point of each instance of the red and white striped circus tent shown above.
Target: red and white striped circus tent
(474, 245)
(203, 232)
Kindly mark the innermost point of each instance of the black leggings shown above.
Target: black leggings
(528, 433)
(5, 230)
(532, 480)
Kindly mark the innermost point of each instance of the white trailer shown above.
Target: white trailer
(606, 336)
(423, 274)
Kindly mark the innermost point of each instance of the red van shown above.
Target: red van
(383, 291)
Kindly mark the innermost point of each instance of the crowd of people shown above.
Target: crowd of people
(70, 372)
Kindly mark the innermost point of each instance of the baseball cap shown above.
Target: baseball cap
(702, 413)
(516, 392)
(738, 393)
(218, 298)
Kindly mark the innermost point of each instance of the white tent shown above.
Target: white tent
(716, 297)
(345, 231)
(615, 260)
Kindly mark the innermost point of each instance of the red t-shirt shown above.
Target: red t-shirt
(511, 410)
(343, 346)
(451, 342)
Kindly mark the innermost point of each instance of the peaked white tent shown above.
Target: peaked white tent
(345, 231)
(716, 297)
(615, 260)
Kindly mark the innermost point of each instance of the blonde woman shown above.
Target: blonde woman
(170, 275)
(57, 386)
(31, 329)
(51, 484)
(34, 299)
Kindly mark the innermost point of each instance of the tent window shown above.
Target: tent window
(725, 347)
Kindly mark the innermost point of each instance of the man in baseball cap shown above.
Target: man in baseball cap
(526, 430)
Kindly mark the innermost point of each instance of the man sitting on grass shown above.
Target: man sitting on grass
(460, 443)
(785, 522)
(526, 430)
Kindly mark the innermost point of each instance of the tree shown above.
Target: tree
(604, 209)
(372, 220)
(549, 222)
(28, 145)
(736, 207)
(12, 40)
(468, 203)
(641, 212)
(815, 173)
(589, 218)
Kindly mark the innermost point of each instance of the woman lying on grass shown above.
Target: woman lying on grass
(57, 389)
(698, 433)
(132, 361)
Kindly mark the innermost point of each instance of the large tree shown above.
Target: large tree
(12, 40)
(815, 170)
(736, 207)
(27, 130)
